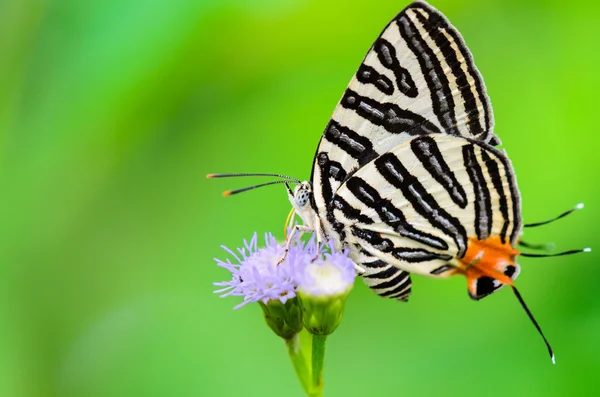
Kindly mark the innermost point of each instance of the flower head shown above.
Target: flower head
(323, 286)
(330, 275)
(322, 276)
(256, 276)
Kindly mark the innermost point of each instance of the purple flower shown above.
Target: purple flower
(323, 286)
(327, 276)
(257, 276)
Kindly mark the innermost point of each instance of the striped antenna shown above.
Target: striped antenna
(537, 326)
(577, 207)
(571, 252)
(245, 189)
(289, 178)
(548, 247)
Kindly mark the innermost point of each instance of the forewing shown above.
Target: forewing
(417, 206)
(418, 78)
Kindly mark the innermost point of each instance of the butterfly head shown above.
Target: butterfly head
(300, 198)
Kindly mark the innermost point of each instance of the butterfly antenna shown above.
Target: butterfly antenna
(571, 252)
(533, 320)
(577, 207)
(289, 178)
(548, 247)
(245, 189)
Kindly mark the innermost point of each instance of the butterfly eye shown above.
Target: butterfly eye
(301, 197)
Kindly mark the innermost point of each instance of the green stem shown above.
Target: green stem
(299, 362)
(318, 357)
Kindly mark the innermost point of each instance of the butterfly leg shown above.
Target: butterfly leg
(317, 230)
(359, 269)
(297, 228)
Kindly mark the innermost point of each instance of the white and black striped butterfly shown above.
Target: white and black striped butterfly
(406, 174)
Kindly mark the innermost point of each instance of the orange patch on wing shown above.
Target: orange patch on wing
(488, 258)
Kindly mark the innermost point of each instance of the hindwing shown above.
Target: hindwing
(419, 205)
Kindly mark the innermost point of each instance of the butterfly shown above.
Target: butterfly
(407, 174)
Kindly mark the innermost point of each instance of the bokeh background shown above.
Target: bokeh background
(112, 113)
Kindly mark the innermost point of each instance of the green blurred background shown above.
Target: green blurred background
(112, 113)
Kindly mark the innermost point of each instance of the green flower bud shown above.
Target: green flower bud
(322, 315)
(323, 289)
(285, 319)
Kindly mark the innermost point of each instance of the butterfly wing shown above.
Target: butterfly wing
(422, 205)
(383, 278)
(418, 78)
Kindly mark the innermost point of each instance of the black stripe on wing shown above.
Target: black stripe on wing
(350, 212)
(399, 287)
(395, 173)
(325, 173)
(388, 115)
(437, 25)
(513, 192)
(436, 79)
(471, 69)
(379, 269)
(386, 53)
(483, 202)
(386, 246)
(428, 152)
(391, 215)
(374, 239)
(386, 280)
(441, 269)
(357, 146)
(368, 75)
(415, 255)
(494, 172)
(328, 171)
(336, 171)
